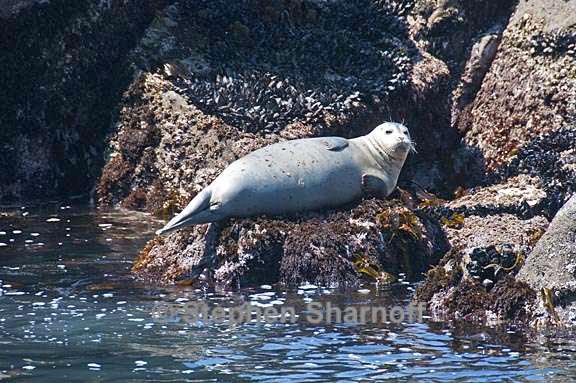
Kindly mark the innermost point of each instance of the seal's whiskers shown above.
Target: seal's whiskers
(412, 146)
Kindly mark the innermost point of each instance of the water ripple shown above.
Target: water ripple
(68, 307)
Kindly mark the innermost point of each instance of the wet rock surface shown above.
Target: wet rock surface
(337, 248)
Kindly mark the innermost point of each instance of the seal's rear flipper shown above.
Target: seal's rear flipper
(193, 214)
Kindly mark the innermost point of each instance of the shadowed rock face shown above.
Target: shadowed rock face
(61, 76)
(446, 28)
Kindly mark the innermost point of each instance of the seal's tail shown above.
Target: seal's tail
(192, 214)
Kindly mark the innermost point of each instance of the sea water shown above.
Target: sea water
(71, 311)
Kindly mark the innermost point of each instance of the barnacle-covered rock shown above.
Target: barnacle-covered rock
(502, 223)
(335, 248)
(166, 150)
(475, 280)
(537, 180)
(513, 194)
(527, 93)
(517, 166)
(480, 232)
(492, 229)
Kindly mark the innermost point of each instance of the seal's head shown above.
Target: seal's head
(393, 139)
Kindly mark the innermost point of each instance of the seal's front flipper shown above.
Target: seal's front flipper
(192, 214)
(335, 144)
(373, 185)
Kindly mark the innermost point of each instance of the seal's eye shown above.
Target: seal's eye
(388, 132)
(405, 132)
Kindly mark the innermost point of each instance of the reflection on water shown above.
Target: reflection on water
(69, 310)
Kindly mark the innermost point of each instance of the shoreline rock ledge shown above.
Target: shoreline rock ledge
(517, 163)
(499, 162)
(218, 80)
(161, 98)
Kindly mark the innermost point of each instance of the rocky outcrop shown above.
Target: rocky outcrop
(505, 270)
(517, 165)
(550, 269)
(494, 228)
(240, 69)
(61, 69)
(218, 80)
(370, 242)
(530, 89)
(491, 230)
(487, 89)
(209, 94)
(475, 280)
(202, 102)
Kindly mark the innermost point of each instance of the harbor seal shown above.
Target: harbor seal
(301, 175)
